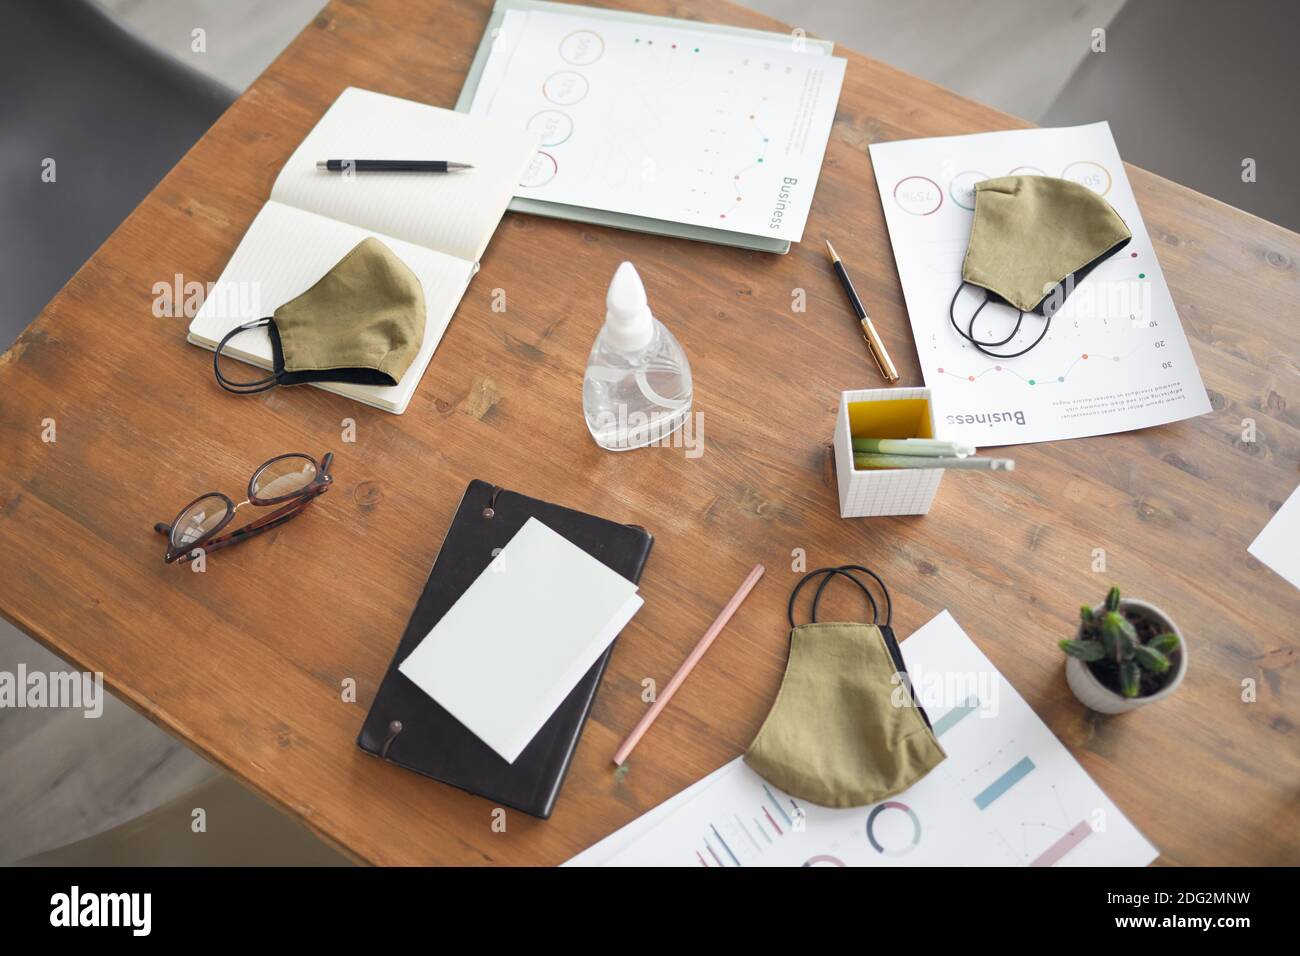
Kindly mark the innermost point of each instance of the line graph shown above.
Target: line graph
(1034, 379)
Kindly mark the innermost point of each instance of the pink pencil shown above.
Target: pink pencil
(687, 665)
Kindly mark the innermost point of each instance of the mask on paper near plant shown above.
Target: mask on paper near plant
(835, 736)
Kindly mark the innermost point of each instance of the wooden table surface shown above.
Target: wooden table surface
(246, 662)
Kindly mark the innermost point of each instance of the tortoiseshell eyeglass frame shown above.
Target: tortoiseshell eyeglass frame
(293, 505)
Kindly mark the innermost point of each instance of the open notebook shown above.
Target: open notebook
(437, 223)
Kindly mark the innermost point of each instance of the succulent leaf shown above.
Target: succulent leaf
(1129, 679)
(1085, 613)
(1120, 635)
(1108, 641)
(1164, 643)
(1084, 650)
(1151, 659)
(1112, 599)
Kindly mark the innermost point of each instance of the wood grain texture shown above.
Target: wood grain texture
(245, 662)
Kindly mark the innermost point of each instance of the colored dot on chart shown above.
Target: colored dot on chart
(760, 159)
(970, 378)
(997, 368)
(1032, 382)
(1142, 275)
(1060, 378)
(1132, 255)
(1085, 355)
(697, 49)
(739, 199)
(940, 371)
(751, 115)
(722, 215)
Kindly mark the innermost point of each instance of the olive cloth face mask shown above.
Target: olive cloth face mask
(361, 323)
(835, 735)
(1033, 238)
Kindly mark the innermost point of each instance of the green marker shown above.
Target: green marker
(924, 447)
(869, 461)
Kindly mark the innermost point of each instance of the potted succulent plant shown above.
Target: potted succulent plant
(1128, 653)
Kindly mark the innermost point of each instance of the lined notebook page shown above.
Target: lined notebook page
(283, 254)
(455, 213)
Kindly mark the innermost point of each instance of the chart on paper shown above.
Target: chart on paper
(1115, 356)
(1008, 794)
(664, 121)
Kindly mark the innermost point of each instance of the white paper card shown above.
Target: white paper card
(1115, 357)
(663, 121)
(506, 654)
(1277, 544)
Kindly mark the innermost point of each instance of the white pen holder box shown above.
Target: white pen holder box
(883, 413)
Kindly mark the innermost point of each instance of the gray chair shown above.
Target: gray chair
(113, 114)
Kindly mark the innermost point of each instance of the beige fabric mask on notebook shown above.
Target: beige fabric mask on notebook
(1032, 240)
(835, 735)
(362, 322)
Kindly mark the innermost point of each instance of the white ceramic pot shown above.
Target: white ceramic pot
(1094, 694)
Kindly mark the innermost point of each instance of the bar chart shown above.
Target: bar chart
(743, 837)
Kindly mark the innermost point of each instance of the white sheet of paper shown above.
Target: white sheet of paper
(1009, 794)
(1278, 545)
(506, 654)
(664, 121)
(1115, 357)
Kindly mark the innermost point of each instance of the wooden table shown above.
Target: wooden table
(246, 662)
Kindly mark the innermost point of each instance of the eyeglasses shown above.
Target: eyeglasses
(294, 480)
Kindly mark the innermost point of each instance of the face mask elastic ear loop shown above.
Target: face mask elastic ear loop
(969, 336)
(242, 388)
(846, 570)
(794, 595)
(1047, 324)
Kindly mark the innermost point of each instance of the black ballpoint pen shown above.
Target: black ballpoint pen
(390, 165)
(876, 346)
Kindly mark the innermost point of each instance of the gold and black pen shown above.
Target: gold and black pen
(874, 344)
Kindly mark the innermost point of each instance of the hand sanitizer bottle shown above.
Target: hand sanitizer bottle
(637, 390)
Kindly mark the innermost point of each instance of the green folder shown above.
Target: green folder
(603, 217)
